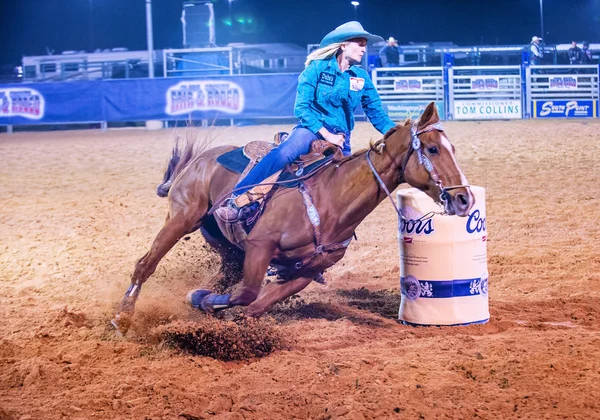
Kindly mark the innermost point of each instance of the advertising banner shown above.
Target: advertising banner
(564, 109)
(562, 82)
(408, 84)
(487, 110)
(148, 99)
(399, 111)
(485, 84)
(211, 97)
(45, 103)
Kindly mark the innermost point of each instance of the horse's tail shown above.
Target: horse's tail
(180, 157)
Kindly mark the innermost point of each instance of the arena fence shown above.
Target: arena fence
(406, 91)
(461, 93)
(562, 91)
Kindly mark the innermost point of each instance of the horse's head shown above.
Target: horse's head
(430, 165)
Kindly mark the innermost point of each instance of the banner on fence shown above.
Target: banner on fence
(22, 102)
(485, 83)
(201, 95)
(399, 111)
(408, 84)
(564, 109)
(562, 82)
(487, 110)
(47, 103)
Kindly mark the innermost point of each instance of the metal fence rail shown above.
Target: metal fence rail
(486, 82)
(406, 91)
(562, 91)
(409, 83)
(485, 92)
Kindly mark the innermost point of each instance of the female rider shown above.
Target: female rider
(329, 89)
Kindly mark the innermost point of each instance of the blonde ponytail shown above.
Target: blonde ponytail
(323, 53)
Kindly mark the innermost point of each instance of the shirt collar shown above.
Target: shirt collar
(332, 65)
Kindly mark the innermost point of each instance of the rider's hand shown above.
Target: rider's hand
(337, 139)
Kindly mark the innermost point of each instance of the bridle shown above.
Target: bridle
(416, 146)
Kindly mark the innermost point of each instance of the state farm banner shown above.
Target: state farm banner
(562, 82)
(487, 110)
(564, 109)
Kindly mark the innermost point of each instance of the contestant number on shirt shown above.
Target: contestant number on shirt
(357, 83)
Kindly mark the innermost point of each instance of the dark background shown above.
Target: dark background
(32, 27)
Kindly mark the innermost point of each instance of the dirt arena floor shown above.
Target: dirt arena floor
(79, 208)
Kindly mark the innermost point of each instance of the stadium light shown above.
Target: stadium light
(355, 4)
(149, 38)
(542, 35)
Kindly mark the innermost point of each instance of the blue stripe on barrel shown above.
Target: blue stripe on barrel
(414, 289)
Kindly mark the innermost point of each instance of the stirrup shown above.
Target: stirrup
(229, 211)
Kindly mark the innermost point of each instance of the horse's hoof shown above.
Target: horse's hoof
(121, 323)
(213, 303)
(194, 297)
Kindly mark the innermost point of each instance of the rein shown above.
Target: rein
(423, 160)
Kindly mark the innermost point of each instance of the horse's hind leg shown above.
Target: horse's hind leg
(174, 229)
(256, 261)
(276, 292)
(232, 258)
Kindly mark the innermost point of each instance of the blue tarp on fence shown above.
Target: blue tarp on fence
(148, 99)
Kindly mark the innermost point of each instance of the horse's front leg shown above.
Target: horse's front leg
(173, 230)
(276, 292)
(257, 259)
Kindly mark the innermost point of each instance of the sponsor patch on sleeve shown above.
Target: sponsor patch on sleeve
(327, 79)
(357, 83)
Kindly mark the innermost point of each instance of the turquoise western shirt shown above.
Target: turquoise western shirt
(328, 97)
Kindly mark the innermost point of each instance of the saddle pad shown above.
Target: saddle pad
(234, 160)
(292, 179)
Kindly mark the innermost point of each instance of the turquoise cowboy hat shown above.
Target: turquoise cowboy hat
(349, 31)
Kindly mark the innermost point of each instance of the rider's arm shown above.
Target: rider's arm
(307, 84)
(371, 104)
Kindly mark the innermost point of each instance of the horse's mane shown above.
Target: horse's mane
(377, 146)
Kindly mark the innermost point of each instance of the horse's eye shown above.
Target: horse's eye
(433, 150)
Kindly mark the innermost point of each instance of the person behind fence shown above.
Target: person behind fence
(329, 89)
(536, 53)
(586, 54)
(574, 53)
(390, 54)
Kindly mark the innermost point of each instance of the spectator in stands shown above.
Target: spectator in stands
(390, 54)
(574, 53)
(329, 89)
(536, 53)
(586, 54)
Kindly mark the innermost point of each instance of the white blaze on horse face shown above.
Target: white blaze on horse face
(446, 144)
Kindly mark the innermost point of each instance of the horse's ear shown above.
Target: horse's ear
(430, 116)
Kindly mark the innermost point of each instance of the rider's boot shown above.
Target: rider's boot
(229, 212)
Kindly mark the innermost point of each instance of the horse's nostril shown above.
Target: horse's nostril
(462, 199)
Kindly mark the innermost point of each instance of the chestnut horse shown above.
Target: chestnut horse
(343, 194)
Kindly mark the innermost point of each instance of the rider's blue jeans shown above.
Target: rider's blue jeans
(298, 143)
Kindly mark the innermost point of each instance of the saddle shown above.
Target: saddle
(243, 159)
